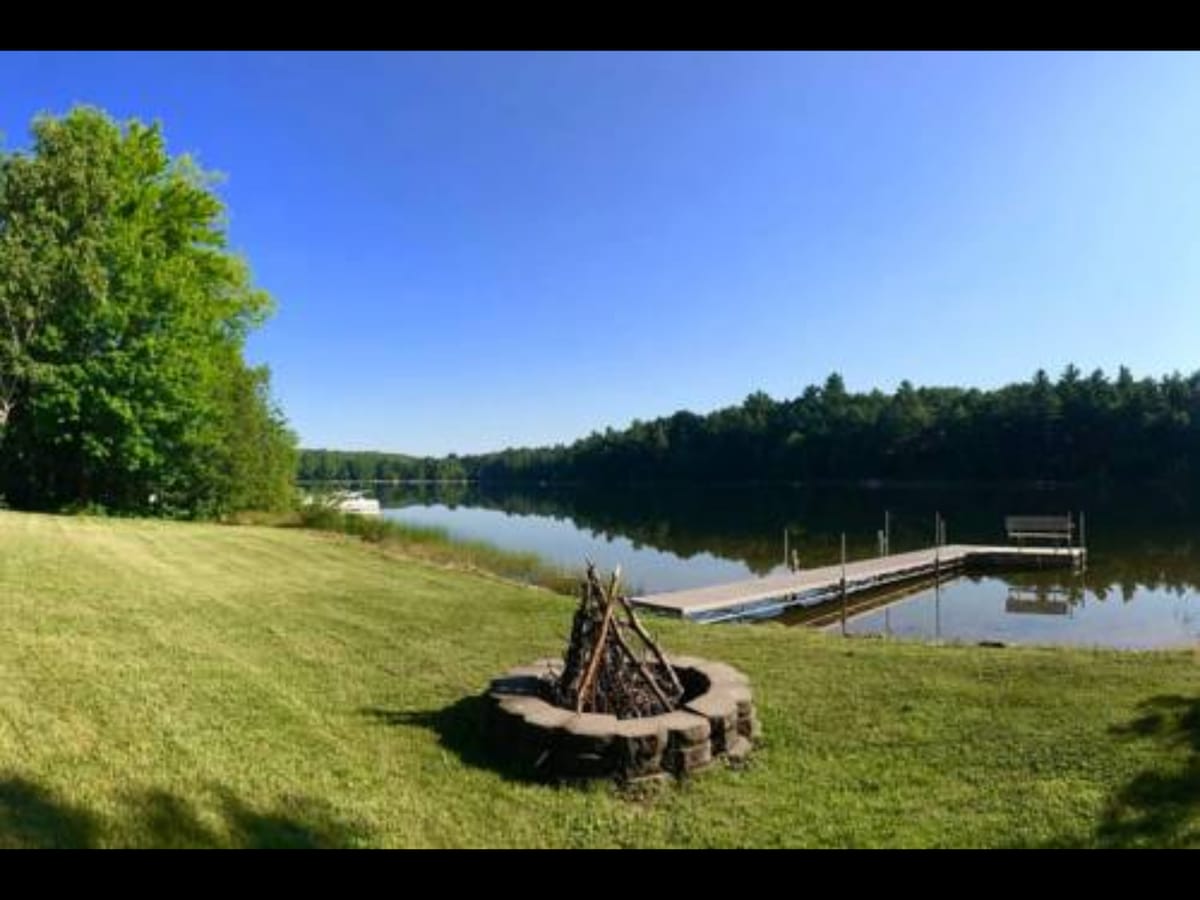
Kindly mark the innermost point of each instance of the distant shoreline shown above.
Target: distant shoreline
(863, 484)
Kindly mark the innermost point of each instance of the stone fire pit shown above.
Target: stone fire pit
(717, 719)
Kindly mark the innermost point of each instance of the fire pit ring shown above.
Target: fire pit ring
(716, 720)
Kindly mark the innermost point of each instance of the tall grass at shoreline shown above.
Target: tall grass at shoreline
(434, 544)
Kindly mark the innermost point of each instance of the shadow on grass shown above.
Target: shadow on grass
(32, 817)
(460, 728)
(1159, 807)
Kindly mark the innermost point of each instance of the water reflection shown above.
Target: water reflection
(973, 610)
(1142, 542)
(1041, 601)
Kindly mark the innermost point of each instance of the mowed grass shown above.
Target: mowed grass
(170, 684)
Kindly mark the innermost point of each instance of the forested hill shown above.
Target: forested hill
(369, 465)
(1073, 428)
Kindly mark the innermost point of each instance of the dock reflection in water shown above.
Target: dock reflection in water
(1139, 590)
(974, 610)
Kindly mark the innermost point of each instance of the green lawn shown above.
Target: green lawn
(166, 684)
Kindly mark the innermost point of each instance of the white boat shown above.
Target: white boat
(355, 502)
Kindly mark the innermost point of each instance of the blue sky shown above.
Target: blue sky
(477, 250)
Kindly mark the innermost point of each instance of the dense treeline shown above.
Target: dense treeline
(123, 317)
(368, 465)
(1068, 429)
(1073, 428)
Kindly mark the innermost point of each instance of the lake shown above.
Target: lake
(1139, 589)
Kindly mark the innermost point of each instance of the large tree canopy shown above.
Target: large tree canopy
(123, 316)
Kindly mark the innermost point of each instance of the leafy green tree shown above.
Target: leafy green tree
(122, 380)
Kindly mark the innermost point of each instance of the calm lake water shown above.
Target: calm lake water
(1141, 588)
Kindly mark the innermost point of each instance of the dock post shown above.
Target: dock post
(785, 547)
(1082, 539)
(843, 585)
(937, 527)
(937, 610)
(887, 532)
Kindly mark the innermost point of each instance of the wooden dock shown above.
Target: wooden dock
(809, 587)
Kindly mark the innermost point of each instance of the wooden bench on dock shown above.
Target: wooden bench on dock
(1052, 528)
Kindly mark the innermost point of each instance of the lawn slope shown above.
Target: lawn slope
(172, 684)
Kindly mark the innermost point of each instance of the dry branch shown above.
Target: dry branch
(602, 672)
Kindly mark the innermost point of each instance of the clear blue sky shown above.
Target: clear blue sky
(478, 250)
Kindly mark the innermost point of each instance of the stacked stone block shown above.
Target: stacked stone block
(717, 720)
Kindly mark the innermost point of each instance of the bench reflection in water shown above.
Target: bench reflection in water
(1044, 601)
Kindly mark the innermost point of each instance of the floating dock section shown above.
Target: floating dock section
(760, 597)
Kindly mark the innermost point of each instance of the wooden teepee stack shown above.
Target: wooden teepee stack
(612, 664)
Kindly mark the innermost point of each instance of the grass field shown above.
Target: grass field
(170, 684)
